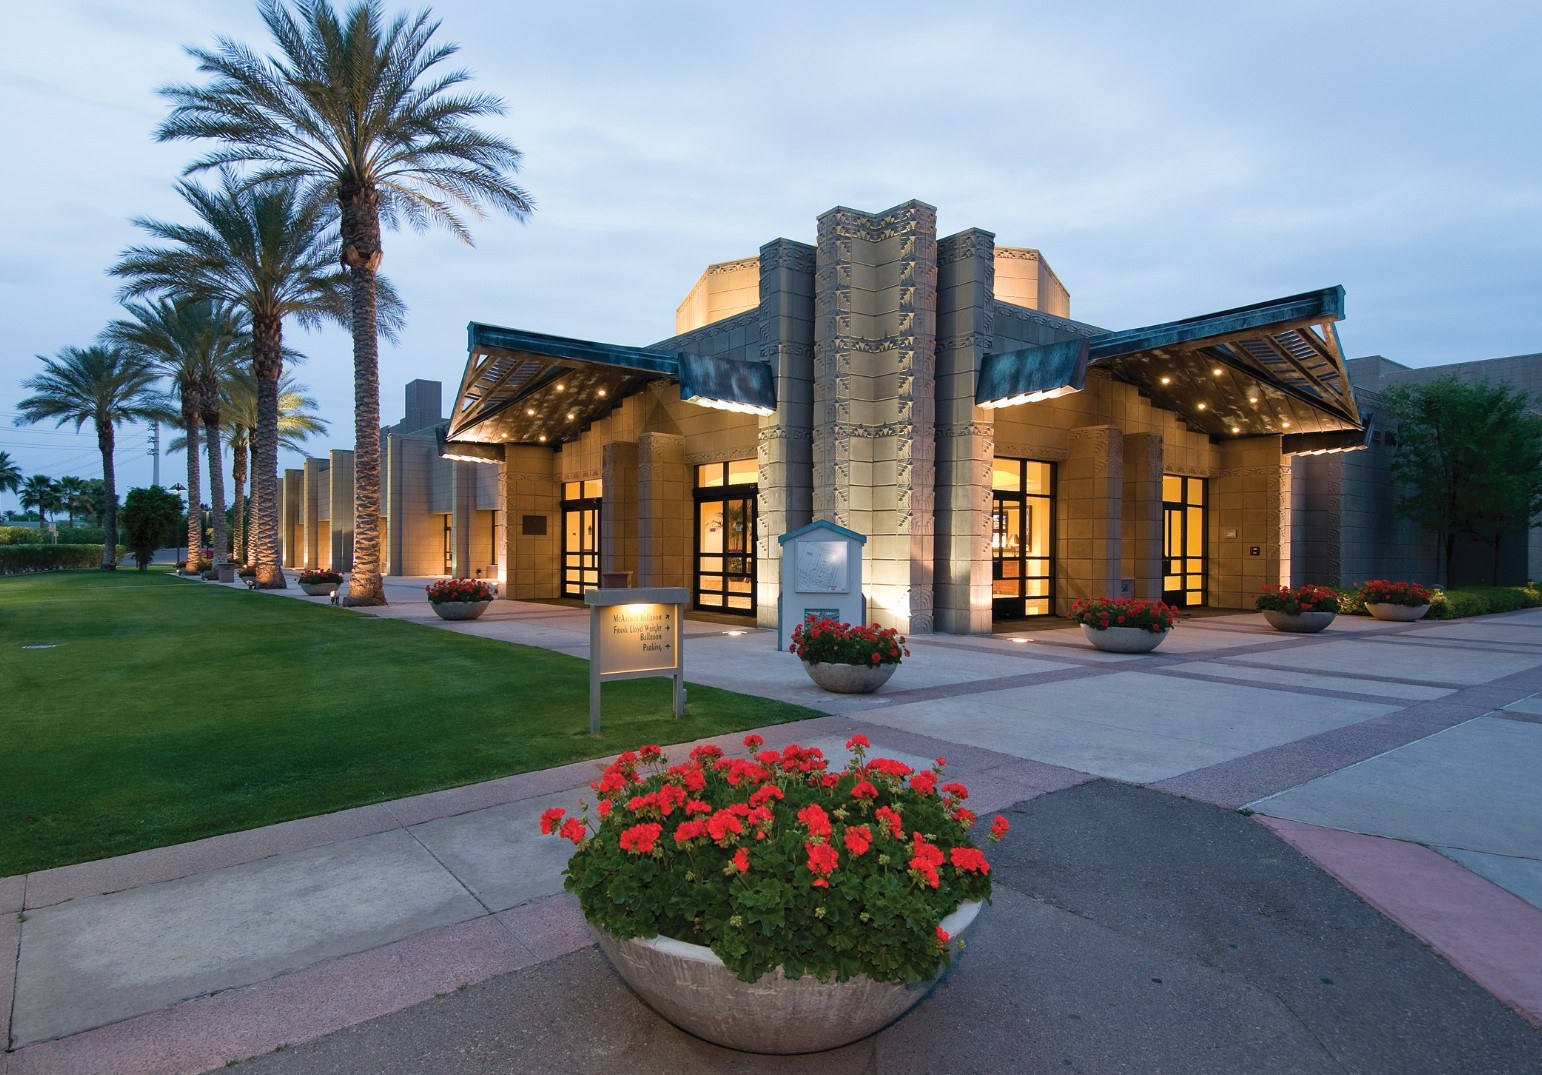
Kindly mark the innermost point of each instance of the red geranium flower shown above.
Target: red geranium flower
(999, 827)
(741, 860)
(864, 790)
(639, 839)
(857, 839)
(549, 819)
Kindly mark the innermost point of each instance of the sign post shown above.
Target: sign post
(634, 633)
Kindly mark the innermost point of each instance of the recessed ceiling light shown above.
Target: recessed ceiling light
(542, 438)
(1218, 371)
(560, 386)
(1201, 406)
(530, 411)
(602, 393)
(1252, 399)
(572, 415)
(1167, 380)
(1285, 424)
(1235, 429)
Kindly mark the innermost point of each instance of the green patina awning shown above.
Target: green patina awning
(531, 388)
(1269, 368)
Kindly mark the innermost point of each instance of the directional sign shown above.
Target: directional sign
(635, 632)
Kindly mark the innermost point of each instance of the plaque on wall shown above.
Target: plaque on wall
(822, 614)
(532, 525)
(822, 567)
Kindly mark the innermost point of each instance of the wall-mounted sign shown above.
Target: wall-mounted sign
(635, 632)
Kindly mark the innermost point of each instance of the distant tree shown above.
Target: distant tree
(10, 474)
(76, 499)
(105, 386)
(361, 109)
(1468, 461)
(41, 492)
(96, 498)
(152, 519)
(297, 420)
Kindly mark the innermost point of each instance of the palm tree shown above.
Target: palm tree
(198, 345)
(105, 386)
(40, 492)
(297, 420)
(10, 474)
(266, 248)
(363, 111)
(74, 497)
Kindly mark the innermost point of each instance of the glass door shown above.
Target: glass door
(449, 546)
(1183, 541)
(580, 537)
(725, 537)
(1022, 529)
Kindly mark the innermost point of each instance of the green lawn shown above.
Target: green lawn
(172, 710)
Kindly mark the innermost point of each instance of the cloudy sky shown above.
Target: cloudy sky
(1169, 159)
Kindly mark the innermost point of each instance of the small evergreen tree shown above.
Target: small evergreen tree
(151, 520)
(1468, 461)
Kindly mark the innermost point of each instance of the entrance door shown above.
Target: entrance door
(1022, 525)
(725, 537)
(1183, 540)
(580, 537)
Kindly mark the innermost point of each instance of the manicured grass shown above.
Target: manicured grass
(172, 710)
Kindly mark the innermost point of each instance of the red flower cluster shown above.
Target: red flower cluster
(1308, 598)
(1100, 613)
(824, 641)
(459, 590)
(318, 577)
(1382, 592)
(640, 839)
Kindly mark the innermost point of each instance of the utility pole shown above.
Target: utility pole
(155, 451)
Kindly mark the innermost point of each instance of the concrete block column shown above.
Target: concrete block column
(291, 518)
(463, 491)
(340, 491)
(310, 513)
(663, 495)
(1090, 506)
(618, 514)
(1141, 545)
(532, 512)
(1250, 511)
(784, 444)
(874, 449)
(965, 433)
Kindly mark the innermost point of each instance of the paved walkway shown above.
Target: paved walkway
(1401, 759)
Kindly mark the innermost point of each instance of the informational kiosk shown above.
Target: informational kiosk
(821, 576)
(635, 633)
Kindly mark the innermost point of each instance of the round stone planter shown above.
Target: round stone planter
(320, 589)
(688, 985)
(1397, 613)
(460, 610)
(1302, 623)
(849, 678)
(1124, 639)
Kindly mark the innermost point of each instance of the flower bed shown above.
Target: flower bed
(777, 861)
(825, 641)
(1101, 613)
(319, 577)
(1306, 598)
(455, 590)
(1382, 592)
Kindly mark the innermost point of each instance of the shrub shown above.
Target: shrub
(774, 861)
(22, 535)
(459, 590)
(825, 641)
(1350, 602)
(17, 559)
(1382, 592)
(317, 576)
(1306, 598)
(1482, 601)
(1101, 612)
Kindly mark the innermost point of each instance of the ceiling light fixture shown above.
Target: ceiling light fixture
(530, 411)
(602, 393)
(1285, 424)
(572, 415)
(1167, 380)
(1235, 429)
(1201, 406)
(542, 438)
(560, 386)
(1218, 371)
(1252, 399)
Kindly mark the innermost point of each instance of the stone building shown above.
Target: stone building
(932, 393)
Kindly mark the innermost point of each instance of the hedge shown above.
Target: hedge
(68, 535)
(17, 559)
(1460, 601)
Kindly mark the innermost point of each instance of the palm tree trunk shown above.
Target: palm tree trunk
(194, 492)
(361, 254)
(238, 477)
(268, 365)
(210, 408)
(104, 440)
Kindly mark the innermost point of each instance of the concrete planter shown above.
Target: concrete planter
(1397, 613)
(320, 589)
(1302, 623)
(849, 678)
(688, 985)
(1124, 639)
(460, 610)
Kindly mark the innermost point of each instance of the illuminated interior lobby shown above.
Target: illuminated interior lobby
(933, 394)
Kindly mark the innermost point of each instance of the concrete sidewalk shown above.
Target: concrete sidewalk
(1360, 745)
